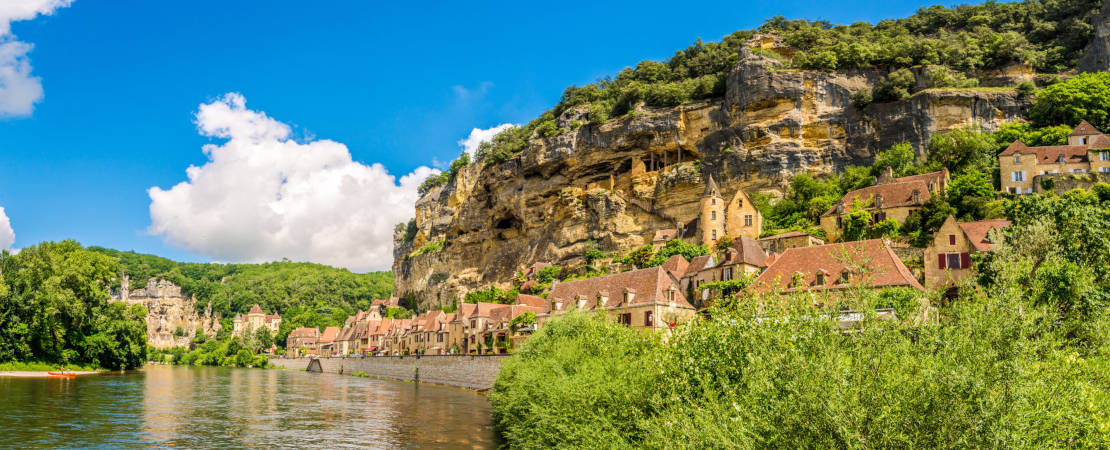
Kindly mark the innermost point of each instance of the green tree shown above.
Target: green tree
(900, 158)
(641, 257)
(1082, 97)
(962, 150)
(674, 247)
(970, 193)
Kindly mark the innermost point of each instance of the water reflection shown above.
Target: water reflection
(216, 407)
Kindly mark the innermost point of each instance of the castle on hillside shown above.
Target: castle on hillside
(255, 319)
(172, 319)
(736, 218)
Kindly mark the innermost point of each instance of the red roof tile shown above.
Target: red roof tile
(649, 285)
(698, 264)
(892, 195)
(883, 266)
(329, 334)
(255, 309)
(977, 232)
(676, 265)
(1084, 129)
(745, 250)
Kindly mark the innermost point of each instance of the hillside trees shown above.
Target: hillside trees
(1082, 97)
(55, 308)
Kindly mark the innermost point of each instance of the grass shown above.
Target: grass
(38, 366)
(360, 374)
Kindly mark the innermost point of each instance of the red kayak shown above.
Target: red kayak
(61, 374)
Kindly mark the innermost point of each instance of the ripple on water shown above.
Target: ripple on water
(218, 407)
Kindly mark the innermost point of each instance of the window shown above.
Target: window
(953, 261)
(625, 319)
(1017, 176)
(473, 324)
(714, 234)
(1060, 159)
(1104, 156)
(739, 203)
(820, 279)
(916, 197)
(951, 239)
(1104, 169)
(713, 215)
(647, 319)
(1083, 141)
(1079, 170)
(748, 220)
(1017, 159)
(712, 201)
(726, 274)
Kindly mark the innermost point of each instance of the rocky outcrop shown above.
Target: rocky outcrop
(1096, 56)
(612, 185)
(168, 310)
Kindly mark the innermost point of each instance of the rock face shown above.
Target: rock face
(612, 185)
(167, 309)
(1096, 56)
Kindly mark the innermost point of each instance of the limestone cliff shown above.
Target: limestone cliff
(168, 309)
(617, 182)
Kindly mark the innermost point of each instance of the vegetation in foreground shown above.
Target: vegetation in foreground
(55, 309)
(1019, 359)
(39, 366)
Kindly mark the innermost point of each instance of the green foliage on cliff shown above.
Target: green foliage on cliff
(1082, 97)
(960, 42)
(54, 308)
(1050, 34)
(1019, 361)
(306, 294)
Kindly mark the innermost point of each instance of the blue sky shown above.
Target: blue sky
(397, 84)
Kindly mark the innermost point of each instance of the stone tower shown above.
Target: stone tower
(711, 223)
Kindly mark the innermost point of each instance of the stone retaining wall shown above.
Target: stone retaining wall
(472, 372)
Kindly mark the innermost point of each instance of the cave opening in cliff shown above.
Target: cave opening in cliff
(657, 160)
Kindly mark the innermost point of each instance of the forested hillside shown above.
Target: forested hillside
(305, 294)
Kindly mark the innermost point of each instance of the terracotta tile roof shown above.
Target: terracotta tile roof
(698, 264)
(529, 285)
(507, 313)
(1049, 153)
(329, 334)
(885, 268)
(937, 177)
(977, 232)
(676, 265)
(304, 332)
(480, 309)
(271, 318)
(531, 300)
(649, 285)
(745, 250)
(1084, 129)
(771, 259)
(892, 194)
(1100, 142)
(255, 309)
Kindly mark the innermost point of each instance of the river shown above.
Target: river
(166, 406)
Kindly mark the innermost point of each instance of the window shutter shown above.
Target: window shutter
(965, 260)
(941, 258)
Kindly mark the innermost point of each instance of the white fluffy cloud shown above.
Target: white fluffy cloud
(7, 236)
(263, 196)
(478, 135)
(19, 91)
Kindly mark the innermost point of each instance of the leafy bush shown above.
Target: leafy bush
(1082, 97)
(896, 86)
(492, 295)
(431, 247)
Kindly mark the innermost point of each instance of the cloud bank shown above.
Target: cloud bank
(7, 235)
(478, 135)
(263, 196)
(19, 91)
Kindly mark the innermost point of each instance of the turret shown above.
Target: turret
(711, 222)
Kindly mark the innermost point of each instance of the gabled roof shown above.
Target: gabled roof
(649, 285)
(531, 300)
(480, 309)
(304, 332)
(745, 250)
(1049, 153)
(881, 266)
(977, 232)
(939, 177)
(665, 235)
(892, 194)
(676, 265)
(699, 264)
(1084, 129)
(255, 309)
(329, 334)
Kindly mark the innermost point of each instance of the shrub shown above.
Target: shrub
(430, 247)
(1082, 97)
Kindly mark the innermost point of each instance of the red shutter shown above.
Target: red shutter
(965, 260)
(941, 257)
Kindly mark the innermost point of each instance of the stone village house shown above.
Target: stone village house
(948, 256)
(893, 198)
(1088, 150)
(834, 267)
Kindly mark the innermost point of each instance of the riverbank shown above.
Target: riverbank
(40, 374)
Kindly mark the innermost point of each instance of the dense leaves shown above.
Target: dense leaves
(1082, 97)
(305, 294)
(54, 307)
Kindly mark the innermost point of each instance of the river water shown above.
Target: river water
(198, 407)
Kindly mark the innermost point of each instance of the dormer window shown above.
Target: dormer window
(820, 278)
(1060, 159)
(1017, 159)
(845, 276)
(916, 196)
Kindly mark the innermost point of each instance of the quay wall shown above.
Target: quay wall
(466, 371)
